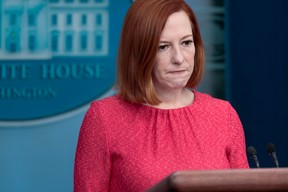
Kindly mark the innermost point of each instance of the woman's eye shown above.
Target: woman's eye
(187, 43)
(163, 47)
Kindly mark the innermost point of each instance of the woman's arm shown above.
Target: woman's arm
(92, 161)
(237, 148)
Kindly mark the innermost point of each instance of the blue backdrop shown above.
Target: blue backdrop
(257, 73)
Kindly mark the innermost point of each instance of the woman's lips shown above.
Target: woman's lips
(177, 72)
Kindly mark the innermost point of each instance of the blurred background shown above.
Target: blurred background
(56, 56)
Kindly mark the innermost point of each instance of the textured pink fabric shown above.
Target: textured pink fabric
(128, 148)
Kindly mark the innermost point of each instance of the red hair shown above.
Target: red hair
(138, 47)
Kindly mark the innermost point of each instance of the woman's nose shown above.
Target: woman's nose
(177, 56)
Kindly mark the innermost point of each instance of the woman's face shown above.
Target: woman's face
(174, 62)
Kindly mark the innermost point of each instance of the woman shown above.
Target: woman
(157, 123)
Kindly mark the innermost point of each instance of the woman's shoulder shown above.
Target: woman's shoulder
(207, 97)
(209, 101)
(112, 103)
(209, 106)
(106, 100)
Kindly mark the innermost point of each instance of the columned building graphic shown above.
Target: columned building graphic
(43, 29)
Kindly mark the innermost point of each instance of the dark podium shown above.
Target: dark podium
(232, 180)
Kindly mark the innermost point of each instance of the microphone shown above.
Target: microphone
(253, 154)
(271, 149)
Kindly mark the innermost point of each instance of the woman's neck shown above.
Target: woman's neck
(175, 99)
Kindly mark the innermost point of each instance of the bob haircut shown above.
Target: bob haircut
(138, 47)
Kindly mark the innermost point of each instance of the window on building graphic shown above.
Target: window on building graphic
(83, 41)
(13, 47)
(98, 19)
(83, 1)
(13, 19)
(83, 19)
(68, 42)
(31, 20)
(54, 20)
(12, 42)
(69, 1)
(32, 42)
(54, 41)
(69, 19)
(98, 42)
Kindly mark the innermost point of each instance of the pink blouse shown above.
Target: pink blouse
(130, 147)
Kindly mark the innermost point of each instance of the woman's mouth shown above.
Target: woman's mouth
(177, 72)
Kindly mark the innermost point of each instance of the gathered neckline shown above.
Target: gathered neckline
(195, 100)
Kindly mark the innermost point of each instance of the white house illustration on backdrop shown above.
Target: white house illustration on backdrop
(43, 29)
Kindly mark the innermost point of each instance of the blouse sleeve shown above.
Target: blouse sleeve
(92, 160)
(237, 149)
